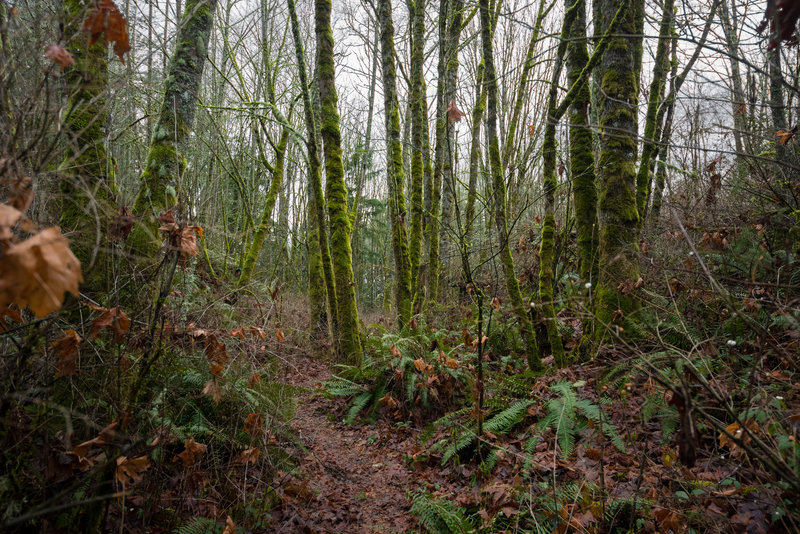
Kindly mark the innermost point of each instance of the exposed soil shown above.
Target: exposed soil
(352, 477)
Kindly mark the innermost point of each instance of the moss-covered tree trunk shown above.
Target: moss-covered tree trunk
(437, 226)
(738, 103)
(617, 213)
(336, 191)
(87, 181)
(651, 124)
(394, 166)
(581, 156)
(165, 165)
(776, 101)
(260, 233)
(416, 13)
(499, 191)
(316, 198)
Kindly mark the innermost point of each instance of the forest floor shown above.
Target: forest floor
(352, 477)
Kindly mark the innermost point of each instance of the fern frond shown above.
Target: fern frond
(505, 420)
(357, 405)
(440, 516)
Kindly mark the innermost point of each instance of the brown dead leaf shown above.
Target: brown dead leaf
(12, 314)
(192, 452)
(66, 352)
(106, 19)
(250, 455)
(38, 272)
(453, 113)
(122, 225)
(9, 217)
(230, 526)
(59, 55)
(254, 424)
(21, 196)
(785, 135)
(114, 319)
(102, 440)
(255, 379)
(213, 390)
(130, 471)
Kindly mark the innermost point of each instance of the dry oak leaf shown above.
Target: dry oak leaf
(453, 113)
(37, 272)
(192, 452)
(114, 319)
(130, 471)
(254, 424)
(102, 440)
(106, 19)
(66, 352)
(230, 526)
(59, 55)
(213, 390)
(251, 455)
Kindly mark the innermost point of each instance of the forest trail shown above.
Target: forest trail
(352, 478)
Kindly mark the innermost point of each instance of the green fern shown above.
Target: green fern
(199, 525)
(357, 405)
(562, 417)
(505, 420)
(438, 515)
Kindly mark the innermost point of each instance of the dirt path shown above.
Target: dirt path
(352, 477)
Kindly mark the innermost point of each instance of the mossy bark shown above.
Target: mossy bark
(581, 156)
(617, 212)
(416, 12)
(394, 166)
(475, 152)
(438, 226)
(336, 191)
(652, 125)
(260, 233)
(165, 165)
(317, 200)
(87, 183)
(499, 190)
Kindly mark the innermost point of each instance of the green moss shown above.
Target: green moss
(338, 215)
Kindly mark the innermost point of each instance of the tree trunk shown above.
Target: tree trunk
(617, 213)
(651, 124)
(88, 178)
(394, 167)
(316, 199)
(336, 191)
(499, 189)
(166, 164)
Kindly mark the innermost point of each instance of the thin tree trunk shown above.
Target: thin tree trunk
(316, 198)
(499, 189)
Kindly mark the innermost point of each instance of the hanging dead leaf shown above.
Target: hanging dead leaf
(103, 439)
(9, 217)
(255, 379)
(66, 352)
(453, 113)
(38, 272)
(254, 424)
(114, 319)
(192, 452)
(279, 335)
(531, 129)
(249, 456)
(122, 225)
(785, 135)
(106, 19)
(395, 352)
(130, 471)
(59, 55)
(213, 390)
(258, 332)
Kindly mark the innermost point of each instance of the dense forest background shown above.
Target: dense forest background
(455, 266)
